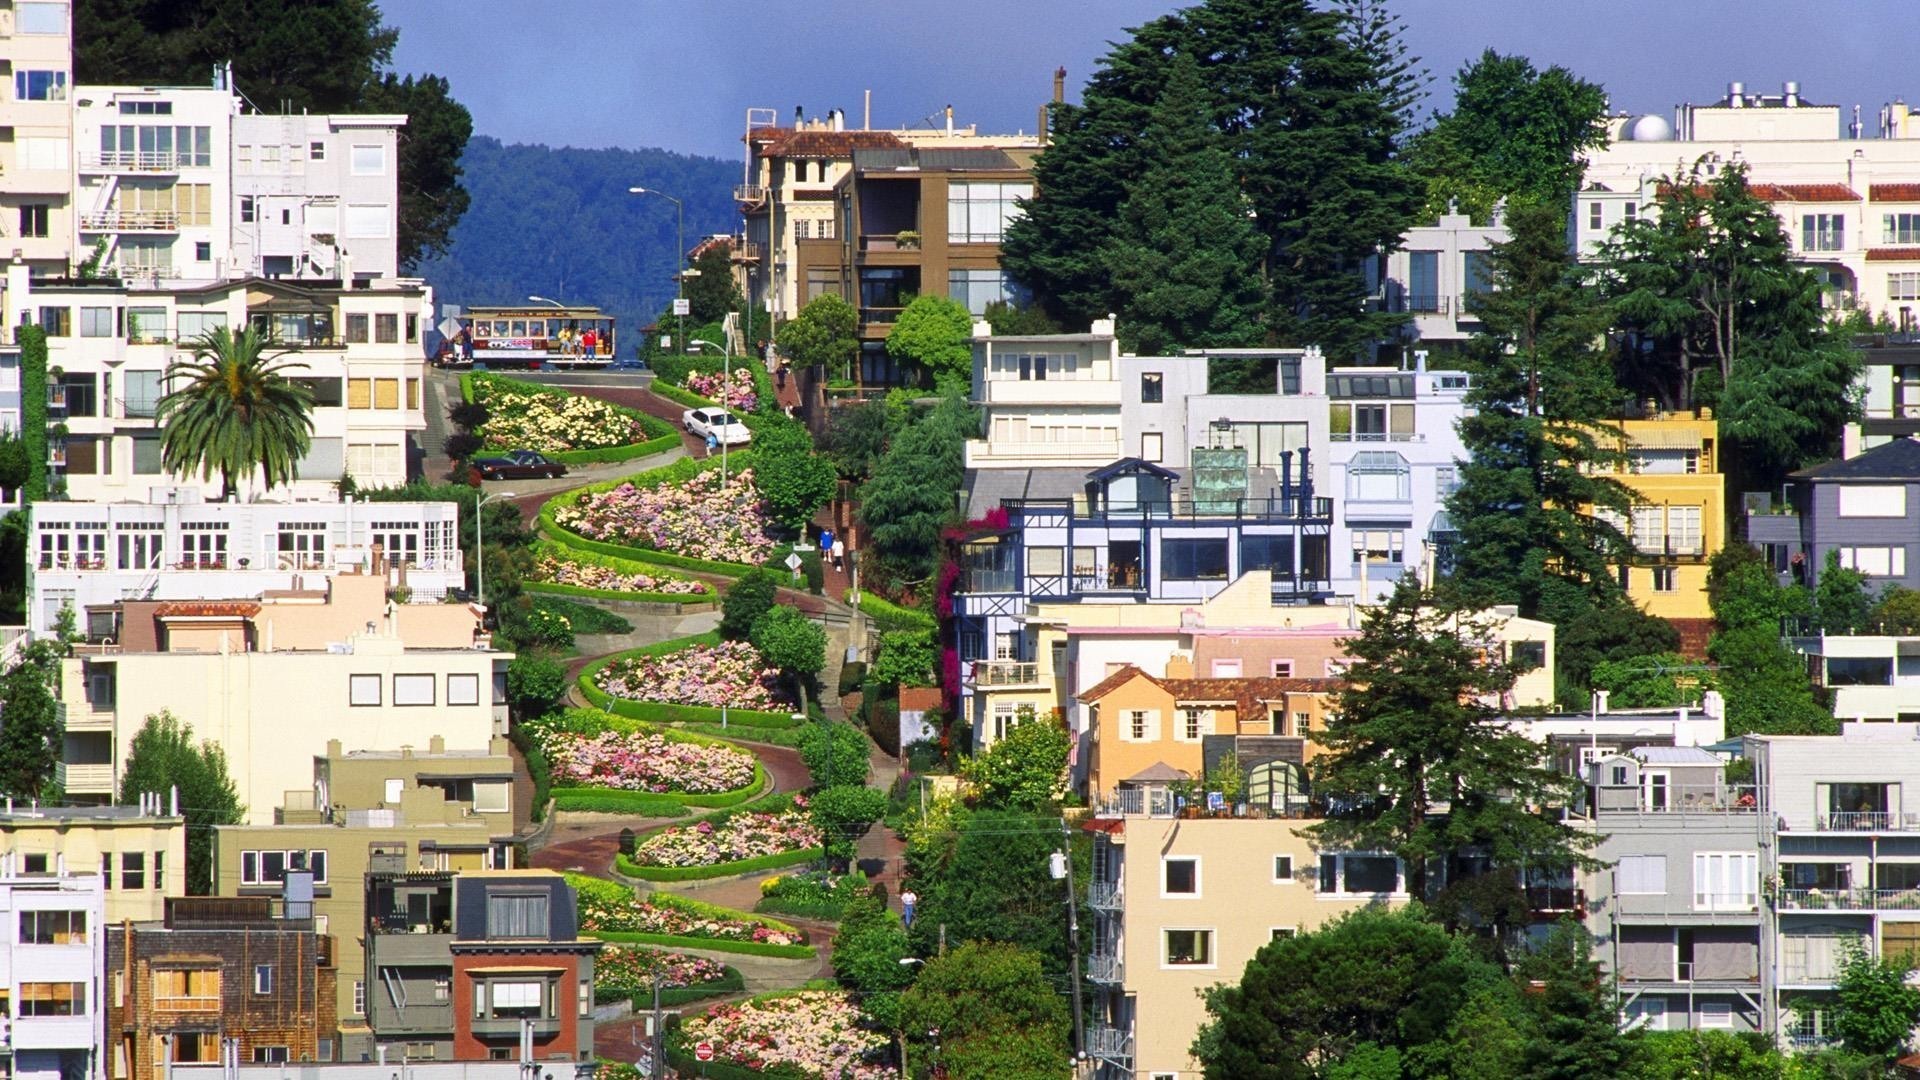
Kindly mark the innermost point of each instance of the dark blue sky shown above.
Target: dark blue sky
(679, 74)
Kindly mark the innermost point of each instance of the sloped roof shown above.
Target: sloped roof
(1158, 773)
(934, 158)
(1674, 755)
(786, 142)
(1894, 192)
(1810, 193)
(201, 609)
(1895, 460)
(1115, 681)
(1132, 465)
(1893, 254)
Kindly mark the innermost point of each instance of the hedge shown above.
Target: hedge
(624, 864)
(730, 982)
(789, 737)
(745, 948)
(678, 799)
(659, 712)
(680, 471)
(618, 565)
(609, 801)
(821, 910)
(891, 616)
(661, 436)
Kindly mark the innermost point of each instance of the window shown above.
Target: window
(386, 329)
(1359, 875)
(194, 324)
(1152, 446)
(359, 997)
(270, 1055)
(1725, 881)
(1142, 725)
(978, 212)
(1226, 668)
(1180, 877)
(1283, 669)
(1423, 281)
(516, 915)
(133, 869)
(263, 978)
(40, 85)
(35, 863)
(1446, 480)
(36, 17)
(1859, 671)
(369, 160)
(96, 322)
(1188, 948)
(1152, 388)
(1875, 561)
(317, 151)
(42, 154)
(1900, 228)
(1823, 232)
(1282, 869)
(106, 869)
(57, 321)
(247, 210)
(1642, 875)
(1632, 212)
(1378, 546)
(369, 222)
(463, 689)
(363, 689)
(1873, 501)
(33, 219)
(519, 998)
(1665, 579)
(413, 689)
(356, 329)
(1594, 216)
(53, 999)
(159, 871)
(146, 108)
(53, 928)
(1379, 476)
(1194, 560)
(1716, 1014)
(1289, 375)
(1195, 723)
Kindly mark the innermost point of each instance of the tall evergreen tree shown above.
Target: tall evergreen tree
(1415, 759)
(711, 291)
(1185, 258)
(1577, 1021)
(1716, 313)
(1766, 687)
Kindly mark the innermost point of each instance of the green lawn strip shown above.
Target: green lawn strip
(745, 948)
(624, 864)
(789, 738)
(661, 436)
(891, 616)
(608, 801)
(583, 618)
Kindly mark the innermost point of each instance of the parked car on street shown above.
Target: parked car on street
(717, 422)
(518, 465)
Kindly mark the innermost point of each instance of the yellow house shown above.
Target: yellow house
(1678, 518)
(140, 850)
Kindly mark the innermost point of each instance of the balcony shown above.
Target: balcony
(749, 195)
(1628, 800)
(544, 1027)
(85, 716)
(84, 779)
(1552, 901)
(1866, 821)
(1105, 1043)
(1686, 973)
(1053, 392)
(880, 316)
(1847, 900)
(134, 161)
(1105, 967)
(1377, 436)
(1159, 802)
(1006, 673)
(130, 221)
(747, 251)
(1104, 895)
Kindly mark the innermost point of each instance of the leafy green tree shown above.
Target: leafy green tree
(792, 644)
(1715, 311)
(1024, 770)
(792, 479)
(907, 658)
(844, 813)
(16, 462)
(1576, 1020)
(995, 1010)
(233, 410)
(868, 948)
(1652, 681)
(1416, 728)
(749, 597)
(1710, 1055)
(1185, 256)
(1371, 982)
(711, 292)
(1489, 1036)
(824, 333)
(985, 875)
(910, 498)
(936, 334)
(856, 437)
(1771, 694)
(1898, 611)
(535, 685)
(163, 757)
(1515, 132)
(1840, 601)
(31, 735)
(836, 754)
(1014, 320)
(1874, 1009)
(1536, 433)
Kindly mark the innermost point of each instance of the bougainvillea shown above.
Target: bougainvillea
(700, 518)
(642, 762)
(730, 673)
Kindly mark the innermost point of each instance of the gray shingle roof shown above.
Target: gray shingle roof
(1896, 460)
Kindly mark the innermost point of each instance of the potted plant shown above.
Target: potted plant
(907, 240)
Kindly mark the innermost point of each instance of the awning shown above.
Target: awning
(1664, 438)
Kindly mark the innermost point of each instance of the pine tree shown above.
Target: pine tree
(1577, 1025)
(1415, 759)
(1185, 258)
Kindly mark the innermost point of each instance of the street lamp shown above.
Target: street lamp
(544, 300)
(679, 253)
(480, 539)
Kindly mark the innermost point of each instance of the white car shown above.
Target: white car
(723, 426)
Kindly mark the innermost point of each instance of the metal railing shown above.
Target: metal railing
(749, 193)
(1135, 802)
(1848, 900)
(139, 161)
(1005, 673)
(130, 221)
(1555, 898)
(1104, 895)
(1104, 967)
(1676, 799)
(1110, 1043)
(1867, 821)
(880, 314)
(1184, 507)
(1377, 436)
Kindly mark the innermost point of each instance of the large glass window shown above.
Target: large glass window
(516, 915)
(1900, 228)
(40, 85)
(1725, 881)
(1859, 671)
(39, 17)
(1194, 560)
(1823, 232)
(978, 211)
(1423, 281)
(53, 928)
(1189, 948)
(978, 288)
(1379, 476)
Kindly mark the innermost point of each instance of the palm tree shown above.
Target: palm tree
(232, 410)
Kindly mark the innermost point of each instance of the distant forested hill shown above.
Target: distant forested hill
(559, 222)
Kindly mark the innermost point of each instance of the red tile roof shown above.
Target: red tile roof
(1893, 254)
(1812, 193)
(201, 609)
(1245, 693)
(1114, 682)
(1894, 192)
(785, 142)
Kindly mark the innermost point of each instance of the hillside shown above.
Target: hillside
(559, 222)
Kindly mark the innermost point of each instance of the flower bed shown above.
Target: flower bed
(524, 417)
(647, 762)
(740, 392)
(815, 894)
(610, 911)
(697, 518)
(734, 838)
(729, 673)
(625, 971)
(819, 1031)
(597, 576)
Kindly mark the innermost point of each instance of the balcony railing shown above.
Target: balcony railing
(751, 194)
(1867, 821)
(880, 315)
(130, 221)
(1555, 899)
(887, 242)
(1160, 802)
(84, 779)
(746, 251)
(1377, 436)
(1110, 1044)
(1006, 673)
(990, 581)
(1676, 799)
(136, 161)
(1184, 507)
(1848, 900)
(1104, 967)
(1104, 895)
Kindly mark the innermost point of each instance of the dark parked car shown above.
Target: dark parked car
(518, 465)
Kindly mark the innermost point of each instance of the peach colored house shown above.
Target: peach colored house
(1148, 731)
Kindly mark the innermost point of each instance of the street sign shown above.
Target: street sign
(793, 562)
(703, 1051)
(682, 306)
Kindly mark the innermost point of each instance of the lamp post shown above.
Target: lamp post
(480, 540)
(907, 961)
(679, 254)
(544, 300)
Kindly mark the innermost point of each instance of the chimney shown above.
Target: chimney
(1601, 700)
(949, 119)
(1736, 95)
(799, 116)
(1059, 84)
(1792, 96)
(437, 744)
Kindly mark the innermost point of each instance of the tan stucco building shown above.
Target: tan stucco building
(140, 851)
(272, 680)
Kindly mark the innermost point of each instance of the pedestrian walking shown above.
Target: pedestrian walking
(908, 898)
(713, 443)
(826, 541)
(839, 553)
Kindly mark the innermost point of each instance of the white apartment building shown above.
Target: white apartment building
(36, 159)
(316, 196)
(1431, 274)
(182, 546)
(52, 966)
(1850, 204)
(109, 345)
(152, 181)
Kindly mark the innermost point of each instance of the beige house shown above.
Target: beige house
(141, 851)
(437, 810)
(1183, 903)
(272, 681)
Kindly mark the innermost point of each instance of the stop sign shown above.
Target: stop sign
(703, 1051)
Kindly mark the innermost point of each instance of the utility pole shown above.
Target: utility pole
(1073, 943)
(656, 1040)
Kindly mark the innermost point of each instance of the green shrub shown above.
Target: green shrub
(586, 618)
(883, 721)
(891, 616)
(836, 754)
(537, 768)
(610, 801)
(852, 674)
(746, 600)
